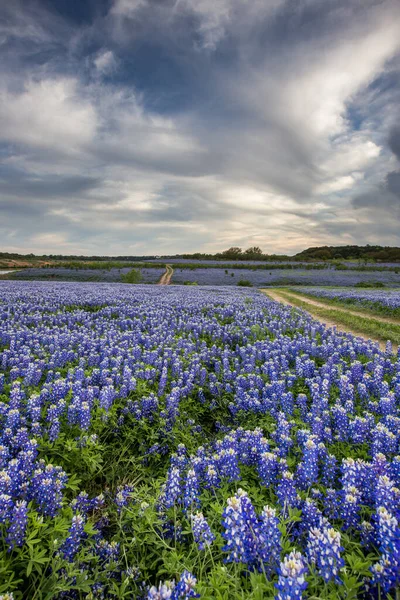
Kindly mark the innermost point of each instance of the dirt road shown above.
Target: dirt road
(278, 297)
(350, 311)
(166, 277)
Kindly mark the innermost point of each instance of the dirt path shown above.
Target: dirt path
(166, 277)
(356, 313)
(275, 295)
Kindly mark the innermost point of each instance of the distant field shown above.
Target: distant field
(279, 277)
(151, 275)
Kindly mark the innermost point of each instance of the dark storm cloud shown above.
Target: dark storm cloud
(49, 188)
(385, 195)
(394, 141)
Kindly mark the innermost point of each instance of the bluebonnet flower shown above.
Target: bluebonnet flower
(4, 455)
(163, 381)
(6, 506)
(332, 503)
(192, 488)
(383, 440)
(302, 403)
(387, 571)
(386, 494)
(184, 589)
(163, 592)
(84, 415)
(329, 470)
(13, 418)
(107, 551)
(350, 507)
(307, 473)
(124, 492)
(54, 430)
(240, 530)
(212, 478)
(291, 582)
(395, 470)
(323, 549)
(46, 488)
(107, 397)
(341, 422)
(20, 439)
(76, 534)
(311, 516)
(229, 464)
(6, 484)
(173, 490)
(18, 523)
(368, 535)
(36, 429)
(271, 545)
(203, 536)
(380, 465)
(82, 503)
(267, 468)
(386, 528)
(286, 491)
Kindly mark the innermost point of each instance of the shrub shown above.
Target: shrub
(244, 283)
(370, 284)
(134, 276)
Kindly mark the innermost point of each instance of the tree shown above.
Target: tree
(232, 253)
(254, 251)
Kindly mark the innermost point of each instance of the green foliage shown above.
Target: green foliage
(244, 283)
(369, 284)
(133, 276)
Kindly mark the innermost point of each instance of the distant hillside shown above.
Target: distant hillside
(367, 253)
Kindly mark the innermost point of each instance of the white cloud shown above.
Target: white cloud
(105, 62)
(339, 184)
(126, 7)
(350, 153)
(51, 113)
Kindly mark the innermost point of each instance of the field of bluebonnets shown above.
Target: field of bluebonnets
(113, 275)
(278, 277)
(180, 442)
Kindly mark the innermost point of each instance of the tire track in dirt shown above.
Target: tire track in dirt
(166, 277)
(275, 295)
(320, 304)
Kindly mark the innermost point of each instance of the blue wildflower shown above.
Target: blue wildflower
(323, 549)
(76, 534)
(18, 524)
(291, 582)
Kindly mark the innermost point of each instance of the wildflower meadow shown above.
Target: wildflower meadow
(176, 442)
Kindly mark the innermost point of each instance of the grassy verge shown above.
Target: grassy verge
(362, 325)
(373, 309)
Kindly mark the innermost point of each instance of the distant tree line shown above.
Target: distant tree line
(366, 253)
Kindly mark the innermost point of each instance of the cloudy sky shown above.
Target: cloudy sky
(163, 126)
